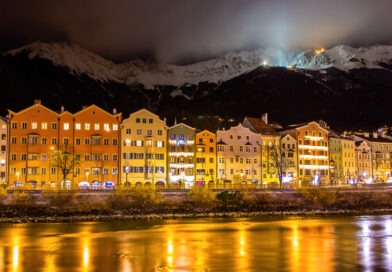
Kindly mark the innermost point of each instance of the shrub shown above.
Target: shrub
(201, 196)
(59, 198)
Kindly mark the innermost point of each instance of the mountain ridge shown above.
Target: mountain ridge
(242, 84)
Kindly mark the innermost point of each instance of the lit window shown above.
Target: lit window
(87, 126)
(106, 127)
(96, 126)
(66, 126)
(115, 127)
(44, 125)
(78, 126)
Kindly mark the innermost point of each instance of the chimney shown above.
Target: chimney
(62, 109)
(114, 111)
(264, 118)
(375, 135)
(37, 101)
(366, 134)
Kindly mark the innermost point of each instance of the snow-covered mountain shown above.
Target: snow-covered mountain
(149, 74)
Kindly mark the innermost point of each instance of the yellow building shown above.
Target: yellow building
(289, 149)
(343, 169)
(205, 157)
(143, 149)
(40, 137)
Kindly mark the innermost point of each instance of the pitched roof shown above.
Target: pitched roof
(260, 126)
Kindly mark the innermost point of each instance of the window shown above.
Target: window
(115, 127)
(128, 131)
(14, 125)
(96, 126)
(105, 157)
(53, 141)
(86, 141)
(150, 121)
(43, 141)
(78, 126)
(65, 141)
(87, 126)
(149, 132)
(77, 141)
(159, 132)
(96, 141)
(106, 141)
(13, 140)
(115, 141)
(66, 126)
(137, 120)
(13, 157)
(34, 125)
(24, 125)
(144, 120)
(24, 140)
(114, 171)
(106, 127)
(115, 157)
(96, 157)
(139, 132)
(86, 157)
(159, 144)
(54, 126)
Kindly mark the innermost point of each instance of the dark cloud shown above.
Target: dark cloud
(177, 30)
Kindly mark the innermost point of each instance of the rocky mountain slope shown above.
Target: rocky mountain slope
(347, 87)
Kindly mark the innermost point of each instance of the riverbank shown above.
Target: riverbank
(151, 204)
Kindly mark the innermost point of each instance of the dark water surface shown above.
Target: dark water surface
(362, 243)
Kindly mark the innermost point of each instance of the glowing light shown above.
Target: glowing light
(318, 147)
(306, 166)
(314, 138)
(319, 51)
(265, 63)
(15, 257)
(313, 157)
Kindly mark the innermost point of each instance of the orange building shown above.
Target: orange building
(206, 157)
(39, 136)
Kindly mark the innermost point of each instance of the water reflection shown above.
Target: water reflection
(295, 244)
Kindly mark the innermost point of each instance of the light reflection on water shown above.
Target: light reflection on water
(294, 244)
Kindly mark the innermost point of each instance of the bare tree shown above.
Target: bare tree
(65, 160)
(278, 162)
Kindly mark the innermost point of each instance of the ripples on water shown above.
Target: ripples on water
(266, 244)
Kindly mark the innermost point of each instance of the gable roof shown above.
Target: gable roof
(259, 126)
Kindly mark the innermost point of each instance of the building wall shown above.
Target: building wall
(206, 157)
(37, 135)
(99, 146)
(239, 159)
(313, 154)
(289, 158)
(143, 149)
(3, 151)
(364, 162)
(268, 171)
(181, 155)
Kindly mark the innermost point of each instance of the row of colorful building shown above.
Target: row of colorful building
(142, 149)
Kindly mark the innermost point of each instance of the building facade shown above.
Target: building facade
(143, 149)
(3, 151)
(239, 156)
(206, 157)
(61, 149)
(181, 155)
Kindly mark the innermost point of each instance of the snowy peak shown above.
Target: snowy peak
(150, 74)
(78, 60)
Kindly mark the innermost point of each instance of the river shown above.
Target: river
(358, 243)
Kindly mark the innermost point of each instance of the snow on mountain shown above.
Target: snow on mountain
(80, 61)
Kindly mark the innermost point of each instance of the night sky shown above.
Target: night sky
(180, 31)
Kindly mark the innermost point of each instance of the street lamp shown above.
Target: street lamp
(127, 170)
